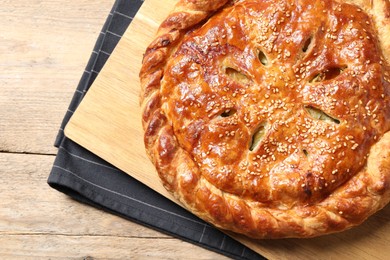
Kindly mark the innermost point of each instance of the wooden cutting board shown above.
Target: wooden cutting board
(108, 123)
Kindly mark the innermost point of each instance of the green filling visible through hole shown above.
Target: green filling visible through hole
(263, 59)
(228, 112)
(327, 74)
(257, 137)
(306, 44)
(237, 75)
(320, 115)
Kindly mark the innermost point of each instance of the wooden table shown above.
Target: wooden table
(44, 47)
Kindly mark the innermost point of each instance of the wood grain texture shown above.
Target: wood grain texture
(44, 48)
(98, 247)
(49, 211)
(114, 132)
(39, 222)
(112, 107)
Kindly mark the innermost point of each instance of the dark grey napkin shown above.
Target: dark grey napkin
(89, 179)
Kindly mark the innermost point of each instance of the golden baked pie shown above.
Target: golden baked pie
(271, 118)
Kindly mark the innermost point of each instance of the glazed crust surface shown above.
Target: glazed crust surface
(271, 118)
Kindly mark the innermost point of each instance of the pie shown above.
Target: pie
(271, 118)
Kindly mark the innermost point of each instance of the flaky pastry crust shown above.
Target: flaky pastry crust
(271, 118)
